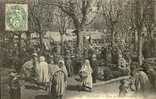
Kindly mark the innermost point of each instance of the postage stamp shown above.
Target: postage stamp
(16, 17)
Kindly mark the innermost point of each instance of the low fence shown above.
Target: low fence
(110, 81)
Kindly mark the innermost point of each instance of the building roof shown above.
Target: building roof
(93, 34)
(57, 37)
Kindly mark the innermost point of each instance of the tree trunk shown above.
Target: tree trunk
(112, 35)
(41, 42)
(28, 42)
(19, 45)
(135, 41)
(78, 39)
(78, 27)
(152, 45)
(61, 43)
(79, 44)
(112, 43)
(140, 43)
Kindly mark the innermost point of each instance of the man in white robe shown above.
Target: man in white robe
(43, 71)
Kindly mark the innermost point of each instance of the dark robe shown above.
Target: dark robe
(94, 66)
(15, 90)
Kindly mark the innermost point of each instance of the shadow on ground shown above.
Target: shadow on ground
(42, 97)
(73, 87)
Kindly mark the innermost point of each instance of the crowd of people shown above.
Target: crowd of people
(142, 82)
(53, 76)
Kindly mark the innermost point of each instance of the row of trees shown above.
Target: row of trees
(120, 18)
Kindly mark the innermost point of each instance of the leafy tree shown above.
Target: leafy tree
(150, 24)
(63, 22)
(111, 12)
(139, 20)
(41, 17)
(81, 12)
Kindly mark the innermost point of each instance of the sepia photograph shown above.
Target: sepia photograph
(77, 49)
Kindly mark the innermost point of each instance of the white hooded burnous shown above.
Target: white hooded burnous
(43, 70)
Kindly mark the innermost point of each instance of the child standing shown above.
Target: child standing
(14, 85)
(123, 88)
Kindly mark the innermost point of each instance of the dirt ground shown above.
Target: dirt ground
(101, 90)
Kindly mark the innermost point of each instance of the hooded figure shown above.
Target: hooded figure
(29, 67)
(14, 85)
(63, 67)
(58, 80)
(68, 64)
(87, 70)
(122, 62)
(142, 82)
(94, 66)
(43, 70)
(152, 77)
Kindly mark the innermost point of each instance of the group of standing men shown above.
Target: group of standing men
(52, 76)
(38, 70)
